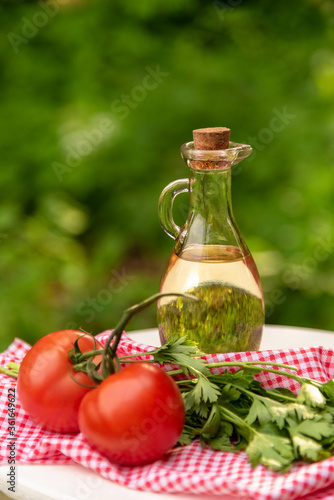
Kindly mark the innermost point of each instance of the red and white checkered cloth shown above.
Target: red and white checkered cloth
(187, 469)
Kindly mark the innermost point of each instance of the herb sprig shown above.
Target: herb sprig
(233, 411)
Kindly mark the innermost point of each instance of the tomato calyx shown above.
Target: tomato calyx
(84, 362)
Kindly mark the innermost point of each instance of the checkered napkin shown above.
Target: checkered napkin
(187, 469)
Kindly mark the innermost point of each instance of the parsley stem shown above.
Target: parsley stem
(244, 364)
(233, 418)
(175, 372)
(137, 355)
(13, 366)
(249, 364)
(121, 360)
(12, 369)
(280, 395)
(280, 372)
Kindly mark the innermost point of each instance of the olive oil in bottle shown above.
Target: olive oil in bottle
(229, 315)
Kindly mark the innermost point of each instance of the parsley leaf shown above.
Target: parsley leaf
(203, 391)
(182, 352)
(311, 396)
(280, 413)
(275, 452)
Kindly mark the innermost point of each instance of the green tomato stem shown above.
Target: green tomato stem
(109, 353)
(89, 354)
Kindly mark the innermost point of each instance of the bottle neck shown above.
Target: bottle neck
(210, 194)
(211, 220)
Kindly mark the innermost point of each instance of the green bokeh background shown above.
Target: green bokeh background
(80, 238)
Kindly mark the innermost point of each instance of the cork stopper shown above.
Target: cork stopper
(211, 138)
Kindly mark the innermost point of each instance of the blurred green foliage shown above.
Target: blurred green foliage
(96, 99)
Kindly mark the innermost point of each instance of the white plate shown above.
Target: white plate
(74, 482)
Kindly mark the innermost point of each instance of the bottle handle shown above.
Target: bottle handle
(166, 201)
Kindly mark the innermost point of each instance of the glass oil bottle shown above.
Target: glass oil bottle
(210, 259)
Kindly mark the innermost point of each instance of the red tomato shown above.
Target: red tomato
(135, 416)
(45, 388)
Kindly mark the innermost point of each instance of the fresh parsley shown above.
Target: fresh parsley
(233, 411)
